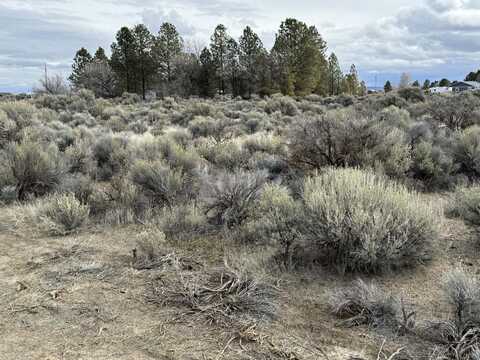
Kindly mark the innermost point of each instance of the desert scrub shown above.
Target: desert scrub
(279, 216)
(63, 214)
(362, 222)
(459, 334)
(465, 204)
(34, 169)
(364, 304)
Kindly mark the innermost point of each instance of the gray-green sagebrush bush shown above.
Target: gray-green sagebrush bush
(362, 222)
(63, 214)
(341, 139)
(465, 204)
(34, 169)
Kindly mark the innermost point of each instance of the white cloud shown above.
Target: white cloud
(433, 38)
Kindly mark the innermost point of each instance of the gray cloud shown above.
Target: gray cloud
(433, 38)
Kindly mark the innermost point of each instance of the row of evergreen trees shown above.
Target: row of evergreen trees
(140, 61)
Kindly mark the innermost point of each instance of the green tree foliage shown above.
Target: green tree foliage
(298, 53)
(444, 82)
(145, 64)
(207, 84)
(352, 81)
(123, 60)
(388, 87)
(473, 76)
(167, 50)
(251, 52)
(219, 49)
(100, 55)
(426, 84)
(81, 59)
(335, 75)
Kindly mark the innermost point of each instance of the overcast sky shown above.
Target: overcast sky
(428, 38)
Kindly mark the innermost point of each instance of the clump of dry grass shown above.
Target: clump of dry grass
(364, 304)
(459, 335)
(151, 253)
(221, 296)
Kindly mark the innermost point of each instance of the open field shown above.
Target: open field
(227, 229)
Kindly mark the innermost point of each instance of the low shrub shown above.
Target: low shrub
(366, 223)
(183, 222)
(161, 183)
(230, 198)
(465, 204)
(63, 214)
(279, 220)
(365, 304)
(32, 168)
(459, 335)
(466, 151)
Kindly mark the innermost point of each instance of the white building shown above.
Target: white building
(440, 90)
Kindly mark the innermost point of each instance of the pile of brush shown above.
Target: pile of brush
(221, 296)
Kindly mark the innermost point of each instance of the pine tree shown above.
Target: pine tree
(232, 66)
(219, 49)
(168, 47)
(388, 87)
(352, 81)
(100, 55)
(123, 59)
(298, 53)
(335, 74)
(416, 83)
(206, 80)
(426, 85)
(81, 59)
(250, 52)
(145, 65)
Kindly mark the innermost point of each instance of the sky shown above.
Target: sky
(383, 38)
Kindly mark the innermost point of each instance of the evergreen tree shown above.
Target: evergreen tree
(352, 81)
(426, 84)
(100, 55)
(388, 87)
(444, 83)
(298, 53)
(145, 65)
(168, 47)
(81, 59)
(219, 49)
(232, 66)
(334, 75)
(416, 83)
(123, 59)
(206, 80)
(250, 52)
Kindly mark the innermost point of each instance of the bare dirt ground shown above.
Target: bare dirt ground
(78, 297)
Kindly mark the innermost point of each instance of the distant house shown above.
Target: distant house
(440, 90)
(460, 86)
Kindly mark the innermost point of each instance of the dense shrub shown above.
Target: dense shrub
(279, 220)
(340, 139)
(466, 151)
(465, 204)
(183, 222)
(455, 111)
(32, 168)
(363, 222)
(110, 155)
(63, 214)
(161, 183)
(414, 94)
(230, 198)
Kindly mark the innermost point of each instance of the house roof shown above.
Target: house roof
(473, 84)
